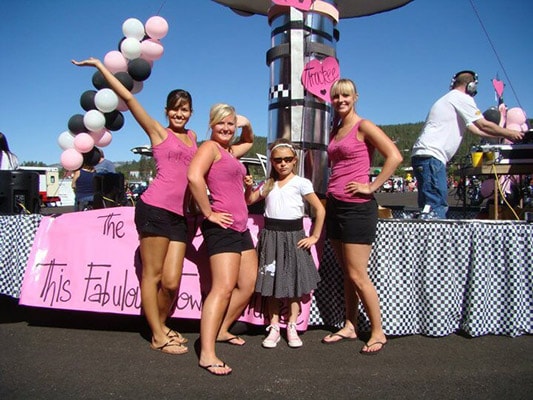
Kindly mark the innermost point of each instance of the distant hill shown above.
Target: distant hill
(404, 135)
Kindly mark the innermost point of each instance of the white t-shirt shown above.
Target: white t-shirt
(287, 202)
(9, 161)
(445, 126)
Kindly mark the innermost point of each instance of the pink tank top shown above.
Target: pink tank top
(350, 161)
(169, 189)
(225, 181)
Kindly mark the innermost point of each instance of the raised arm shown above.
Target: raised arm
(152, 127)
(246, 140)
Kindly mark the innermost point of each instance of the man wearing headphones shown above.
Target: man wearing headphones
(447, 120)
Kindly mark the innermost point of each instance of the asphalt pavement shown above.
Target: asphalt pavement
(57, 354)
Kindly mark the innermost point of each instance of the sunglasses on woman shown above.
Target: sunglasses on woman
(278, 160)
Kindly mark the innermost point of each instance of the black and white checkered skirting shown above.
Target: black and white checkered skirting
(284, 269)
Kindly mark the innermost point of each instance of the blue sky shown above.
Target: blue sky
(401, 60)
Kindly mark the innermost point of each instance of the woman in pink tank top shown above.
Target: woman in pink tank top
(232, 255)
(160, 213)
(351, 210)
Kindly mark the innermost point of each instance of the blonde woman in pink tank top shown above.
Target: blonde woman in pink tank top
(351, 210)
(232, 255)
(160, 213)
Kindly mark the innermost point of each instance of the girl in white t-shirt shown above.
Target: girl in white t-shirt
(286, 267)
(8, 160)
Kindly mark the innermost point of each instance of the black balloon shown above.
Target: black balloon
(114, 120)
(87, 100)
(92, 157)
(139, 69)
(120, 43)
(76, 125)
(125, 79)
(493, 115)
(98, 81)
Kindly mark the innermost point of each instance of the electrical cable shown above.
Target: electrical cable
(502, 194)
(495, 52)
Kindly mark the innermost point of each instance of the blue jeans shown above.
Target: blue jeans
(82, 203)
(432, 184)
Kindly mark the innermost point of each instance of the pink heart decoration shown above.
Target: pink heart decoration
(317, 77)
(498, 86)
(303, 5)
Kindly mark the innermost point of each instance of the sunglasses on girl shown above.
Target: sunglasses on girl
(278, 160)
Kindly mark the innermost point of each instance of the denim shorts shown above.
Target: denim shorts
(351, 222)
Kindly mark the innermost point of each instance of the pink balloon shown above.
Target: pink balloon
(122, 106)
(83, 142)
(151, 49)
(116, 62)
(156, 27)
(516, 115)
(105, 139)
(514, 127)
(97, 135)
(71, 159)
(137, 87)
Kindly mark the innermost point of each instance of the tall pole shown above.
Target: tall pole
(299, 37)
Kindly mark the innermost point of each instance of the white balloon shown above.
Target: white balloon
(131, 48)
(94, 120)
(66, 140)
(106, 100)
(133, 28)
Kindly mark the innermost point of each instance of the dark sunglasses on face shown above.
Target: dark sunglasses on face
(278, 160)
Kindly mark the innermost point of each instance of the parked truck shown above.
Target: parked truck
(48, 184)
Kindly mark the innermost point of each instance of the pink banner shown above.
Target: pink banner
(89, 261)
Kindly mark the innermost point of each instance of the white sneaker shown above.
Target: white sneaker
(273, 337)
(292, 336)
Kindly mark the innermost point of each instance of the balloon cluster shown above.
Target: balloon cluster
(132, 65)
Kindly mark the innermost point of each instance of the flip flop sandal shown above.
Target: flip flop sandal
(168, 346)
(178, 337)
(341, 337)
(368, 347)
(231, 341)
(208, 368)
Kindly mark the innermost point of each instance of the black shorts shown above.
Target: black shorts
(351, 222)
(219, 240)
(155, 221)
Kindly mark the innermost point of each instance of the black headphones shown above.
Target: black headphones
(471, 88)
